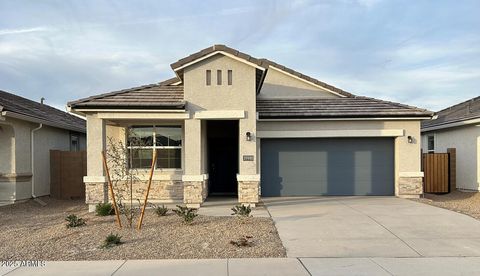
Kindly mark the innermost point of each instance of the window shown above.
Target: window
(74, 142)
(219, 77)
(143, 141)
(431, 143)
(208, 77)
(230, 77)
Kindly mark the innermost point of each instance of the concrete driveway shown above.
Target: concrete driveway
(371, 227)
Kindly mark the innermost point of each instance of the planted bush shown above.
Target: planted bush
(104, 209)
(112, 240)
(160, 210)
(74, 221)
(241, 210)
(188, 214)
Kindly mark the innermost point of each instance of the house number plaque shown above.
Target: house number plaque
(248, 158)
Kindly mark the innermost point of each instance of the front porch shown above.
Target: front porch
(195, 157)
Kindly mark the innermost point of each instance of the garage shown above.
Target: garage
(327, 166)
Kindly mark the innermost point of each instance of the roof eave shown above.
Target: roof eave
(43, 121)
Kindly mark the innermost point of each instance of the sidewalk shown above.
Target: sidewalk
(277, 267)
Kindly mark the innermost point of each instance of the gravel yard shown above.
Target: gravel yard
(463, 202)
(32, 232)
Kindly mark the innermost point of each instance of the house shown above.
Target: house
(28, 131)
(232, 124)
(457, 127)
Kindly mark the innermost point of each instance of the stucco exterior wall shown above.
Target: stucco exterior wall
(466, 140)
(278, 84)
(241, 95)
(407, 156)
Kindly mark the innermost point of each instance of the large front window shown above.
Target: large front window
(143, 141)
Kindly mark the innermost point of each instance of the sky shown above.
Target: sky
(421, 53)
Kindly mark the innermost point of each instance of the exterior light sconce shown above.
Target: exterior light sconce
(410, 139)
(248, 136)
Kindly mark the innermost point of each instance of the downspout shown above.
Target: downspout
(32, 154)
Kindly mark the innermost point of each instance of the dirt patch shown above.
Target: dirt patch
(32, 232)
(463, 202)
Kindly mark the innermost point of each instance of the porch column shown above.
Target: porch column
(194, 181)
(248, 178)
(96, 189)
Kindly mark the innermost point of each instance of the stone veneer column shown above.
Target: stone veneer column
(194, 190)
(96, 189)
(248, 189)
(410, 184)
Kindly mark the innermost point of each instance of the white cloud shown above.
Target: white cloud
(23, 30)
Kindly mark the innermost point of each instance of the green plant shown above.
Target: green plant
(245, 241)
(188, 214)
(112, 240)
(74, 221)
(104, 209)
(241, 210)
(160, 210)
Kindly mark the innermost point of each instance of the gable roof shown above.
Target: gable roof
(349, 107)
(261, 62)
(151, 96)
(18, 107)
(455, 115)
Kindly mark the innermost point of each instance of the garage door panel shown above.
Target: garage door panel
(343, 166)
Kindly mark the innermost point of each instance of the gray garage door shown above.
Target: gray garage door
(340, 166)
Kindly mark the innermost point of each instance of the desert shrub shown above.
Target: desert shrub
(188, 214)
(104, 209)
(160, 210)
(241, 210)
(112, 240)
(74, 221)
(245, 241)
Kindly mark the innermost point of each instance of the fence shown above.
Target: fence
(67, 169)
(436, 168)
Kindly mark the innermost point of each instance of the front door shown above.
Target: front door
(222, 157)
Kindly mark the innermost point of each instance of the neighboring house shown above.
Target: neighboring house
(457, 127)
(28, 131)
(231, 124)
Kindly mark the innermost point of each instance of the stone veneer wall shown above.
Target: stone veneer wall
(248, 192)
(195, 193)
(160, 190)
(410, 186)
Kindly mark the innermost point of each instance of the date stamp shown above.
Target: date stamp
(22, 263)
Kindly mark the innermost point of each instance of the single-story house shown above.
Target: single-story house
(457, 127)
(232, 124)
(28, 131)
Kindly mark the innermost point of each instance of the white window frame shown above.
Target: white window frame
(155, 147)
(434, 143)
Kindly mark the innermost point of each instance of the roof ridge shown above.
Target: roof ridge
(458, 104)
(396, 103)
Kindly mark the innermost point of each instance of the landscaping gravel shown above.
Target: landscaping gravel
(463, 202)
(32, 232)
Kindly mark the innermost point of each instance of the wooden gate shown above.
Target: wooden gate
(436, 169)
(67, 169)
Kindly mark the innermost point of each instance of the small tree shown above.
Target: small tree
(119, 158)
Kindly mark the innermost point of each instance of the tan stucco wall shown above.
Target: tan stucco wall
(278, 84)
(466, 140)
(241, 95)
(407, 156)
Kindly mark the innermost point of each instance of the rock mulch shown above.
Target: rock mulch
(467, 203)
(31, 232)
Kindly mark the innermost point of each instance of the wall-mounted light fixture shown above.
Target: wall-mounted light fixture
(249, 135)
(410, 139)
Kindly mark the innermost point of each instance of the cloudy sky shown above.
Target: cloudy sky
(423, 53)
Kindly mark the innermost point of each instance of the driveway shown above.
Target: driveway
(371, 227)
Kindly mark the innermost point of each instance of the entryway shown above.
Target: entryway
(222, 157)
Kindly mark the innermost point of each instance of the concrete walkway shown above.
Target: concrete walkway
(253, 267)
(371, 227)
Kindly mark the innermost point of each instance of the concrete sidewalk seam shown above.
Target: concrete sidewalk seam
(308, 271)
(11, 271)
(383, 268)
(377, 222)
(120, 266)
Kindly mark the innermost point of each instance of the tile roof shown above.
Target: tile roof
(152, 96)
(349, 107)
(463, 111)
(262, 62)
(40, 112)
